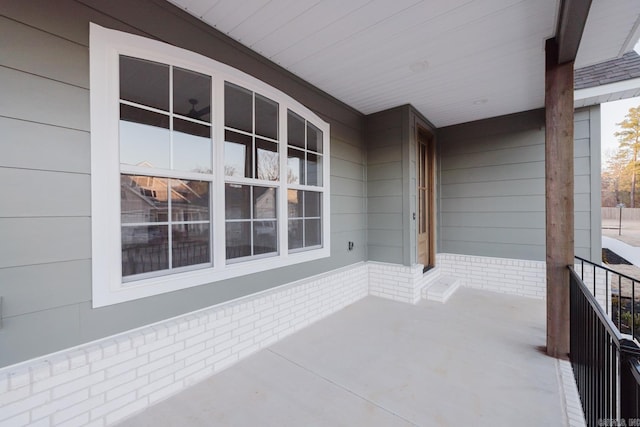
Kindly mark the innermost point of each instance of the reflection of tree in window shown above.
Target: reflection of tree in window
(251, 135)
(304, 154)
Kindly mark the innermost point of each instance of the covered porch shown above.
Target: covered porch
(479, 360)
(312, 342)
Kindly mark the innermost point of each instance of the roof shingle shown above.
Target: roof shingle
(616, 70)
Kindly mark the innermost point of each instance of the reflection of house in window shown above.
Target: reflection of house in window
(145, 199)
(292, 205)
(265, 204)
(160, 213)
(251, 220)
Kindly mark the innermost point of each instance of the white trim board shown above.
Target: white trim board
(608, 92)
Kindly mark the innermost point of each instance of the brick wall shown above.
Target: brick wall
(103, 382)
(504, 275)
(394, 281)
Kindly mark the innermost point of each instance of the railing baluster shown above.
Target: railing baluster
(619, 324)
(633, 308)
(606, 291)
(605, 365)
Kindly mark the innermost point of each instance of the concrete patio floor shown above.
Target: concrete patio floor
(476, 360)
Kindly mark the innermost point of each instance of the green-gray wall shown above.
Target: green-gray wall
(390, 137)
(45, 224)
(386, 134)
(45, 218)
(491, 186)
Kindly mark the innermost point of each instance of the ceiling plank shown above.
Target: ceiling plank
(442, 56)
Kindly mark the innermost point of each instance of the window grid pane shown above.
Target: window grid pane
(251, 220)
(304, 158)
(251, 135)
(174, 132)
(304, 211)
(151, 132)
(165, 222)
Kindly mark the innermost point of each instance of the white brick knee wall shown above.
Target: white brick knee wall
(396, 282)
(504, 275)
(103, 382)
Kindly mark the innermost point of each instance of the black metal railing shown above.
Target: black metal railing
(619, 294)
(605, 363)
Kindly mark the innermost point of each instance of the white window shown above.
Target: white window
(199, 171)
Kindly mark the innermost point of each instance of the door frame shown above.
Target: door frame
(425, 137)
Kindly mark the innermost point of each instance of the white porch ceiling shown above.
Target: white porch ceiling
(454, 60)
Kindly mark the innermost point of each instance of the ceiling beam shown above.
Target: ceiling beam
(573, 17)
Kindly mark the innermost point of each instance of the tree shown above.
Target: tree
(629, 140)
(616, 179)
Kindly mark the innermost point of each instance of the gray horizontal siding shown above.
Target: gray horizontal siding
(346, 169)
(45, 254)
(38, 99)
(384, 172)
(493, 204)
(391, 183)
(39, 287)
(496, 157)
(53, 60)
(499, 250)
(385, 191)
(588, 242)
(346, 186)
(35, 193)
(30, 145)
(384, 221)
(490, 235)
(492, 187)
(493, 173)
(29, 241)
(385, 253)
(39, 332)
(385, 188)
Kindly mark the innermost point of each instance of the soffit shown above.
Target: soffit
(612, 29)
(454, 60)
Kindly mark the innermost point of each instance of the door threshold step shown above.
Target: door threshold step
(442, 289)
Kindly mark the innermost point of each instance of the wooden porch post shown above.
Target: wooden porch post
(558, 197)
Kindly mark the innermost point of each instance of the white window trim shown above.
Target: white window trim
(108, 288)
